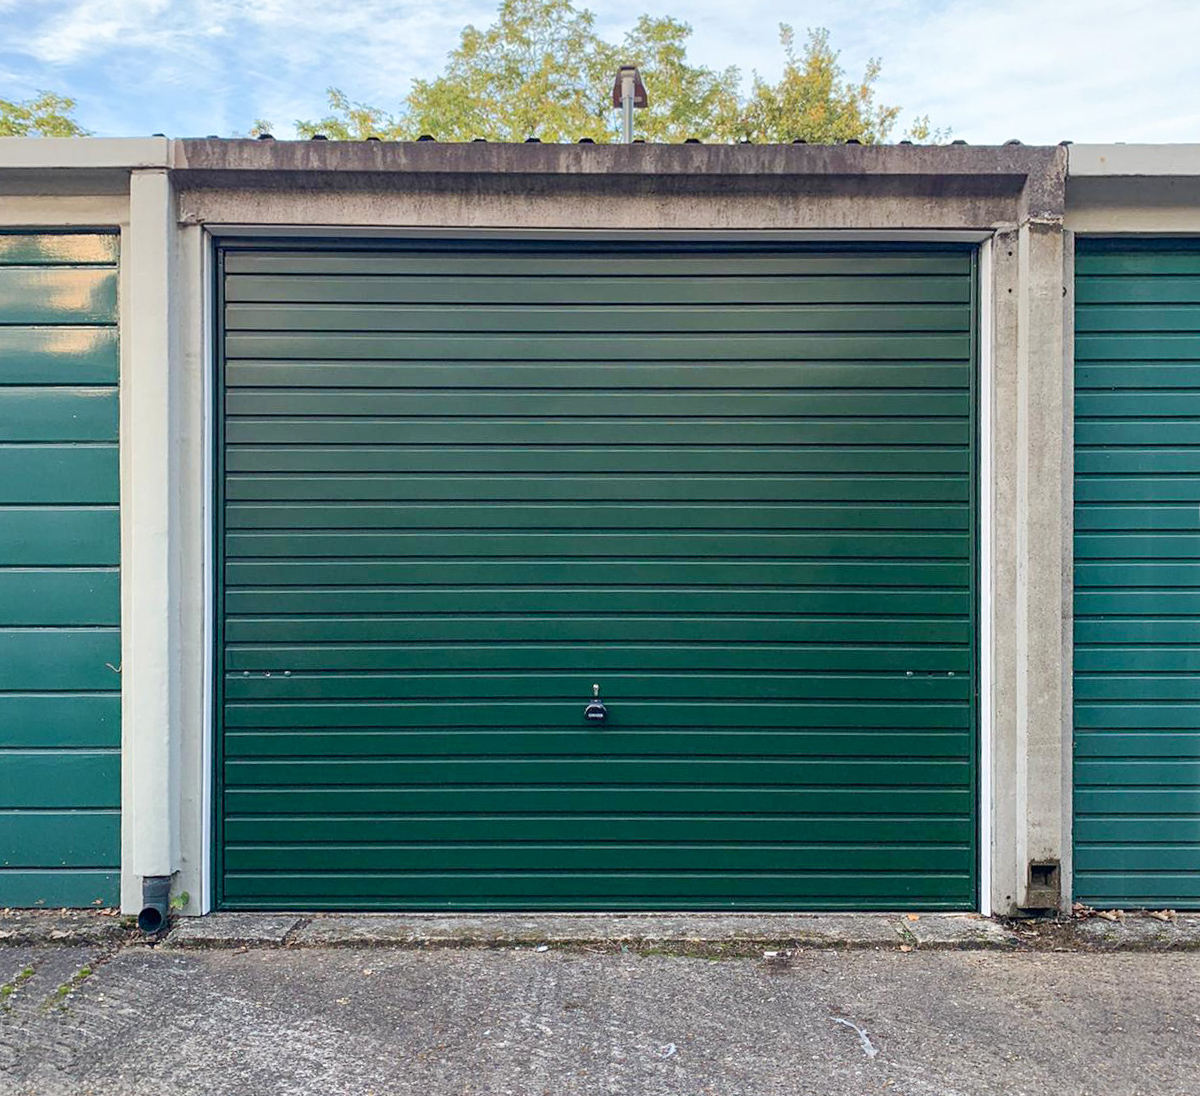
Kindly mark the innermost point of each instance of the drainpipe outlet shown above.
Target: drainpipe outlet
(156, 893)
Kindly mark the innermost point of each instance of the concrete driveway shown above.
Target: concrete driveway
(393, 1021)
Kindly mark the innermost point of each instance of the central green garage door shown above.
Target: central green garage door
(732, 486)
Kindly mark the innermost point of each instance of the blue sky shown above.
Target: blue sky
(1038, 70)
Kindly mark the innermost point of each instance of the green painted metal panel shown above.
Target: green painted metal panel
(585, 429)
(567, 889)
(460, 260)
(498, 829)
(796, 805)
(854, 545)
(540, 403)
(642, 460)
(78, 838)
(60, 649)
(609, 857)
(59, 355)
(701, 572)
(59, 474)
(370, 345)
(56, 887)
(566, 487)
(265, 713)
(60, 719)
(48, 596)
(63, 249)
(664, 742)
(466, 515)
(543, 637)
(554, 322)
(459, 483)
(54, 778)
(326, 658)
(1137, 618)
(600, 375)
(246, 606)
(526, 290)
(58, 295)
(58, 414)
(50, 659)
(46, 535)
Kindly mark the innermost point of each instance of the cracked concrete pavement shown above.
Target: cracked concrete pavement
(385, 1020)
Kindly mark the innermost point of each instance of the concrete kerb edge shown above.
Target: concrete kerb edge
(66, 928)
(716, 937)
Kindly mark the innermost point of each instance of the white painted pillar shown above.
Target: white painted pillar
(150, 556)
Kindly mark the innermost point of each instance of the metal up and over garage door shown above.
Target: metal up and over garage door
(462, 483)
(1137, 573)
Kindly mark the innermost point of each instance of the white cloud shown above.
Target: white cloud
(225, 62)
(1040, 70)
(90, 27)
(1085, 70)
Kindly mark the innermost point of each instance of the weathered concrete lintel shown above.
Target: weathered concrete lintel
(646, 215)
(475, 158)
(835, 186)
(991, 183)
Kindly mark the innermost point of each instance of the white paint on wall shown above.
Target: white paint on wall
(151, 513)
(1138, 160)
(64, 211)
(81, 154)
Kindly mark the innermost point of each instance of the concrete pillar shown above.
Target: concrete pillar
(150, 531)
(1067, 648)
(1003, 574)
(1031, 570)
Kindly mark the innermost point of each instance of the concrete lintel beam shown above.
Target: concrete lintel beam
(1134, 161)
(82, 153)
(944, 162)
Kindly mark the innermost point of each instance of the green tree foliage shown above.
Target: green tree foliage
(813, 101)
(541, 70)
(347, 121)
(45, 115)
(685, 100)
(535, 72)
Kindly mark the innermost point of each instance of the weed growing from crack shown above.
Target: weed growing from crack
(9, 988)
(60, 995)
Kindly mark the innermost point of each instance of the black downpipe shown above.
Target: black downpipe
(156, 891)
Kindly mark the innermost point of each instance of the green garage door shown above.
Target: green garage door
(60, 642)
(1137, 573)
(732, 486)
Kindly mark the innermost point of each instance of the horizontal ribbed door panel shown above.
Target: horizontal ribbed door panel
(1137, 573)
(732, 485)
(60, 641)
